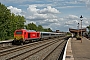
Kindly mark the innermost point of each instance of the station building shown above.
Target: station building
(77, 31)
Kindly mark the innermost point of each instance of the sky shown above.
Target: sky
(55, 14)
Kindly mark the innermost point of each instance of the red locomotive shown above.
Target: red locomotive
(23, 36)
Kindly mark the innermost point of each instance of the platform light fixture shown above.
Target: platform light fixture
(78, 29)
(81, 27)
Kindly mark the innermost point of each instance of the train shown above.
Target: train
(22, 36)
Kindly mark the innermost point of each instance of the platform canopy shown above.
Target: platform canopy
(77, 30)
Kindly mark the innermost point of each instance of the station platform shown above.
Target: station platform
(77, 50)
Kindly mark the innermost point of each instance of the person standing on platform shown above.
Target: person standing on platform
(72, 35)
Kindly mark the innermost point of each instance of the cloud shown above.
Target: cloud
(41, 14)
(33, 14)
(87, 2)
(39, 17)
(50, 15)
(32, 9)
(15, 10)
(50, 21)
(72, 17)
(71, 21)
(49, 10)
(17, 1)
(46, 16)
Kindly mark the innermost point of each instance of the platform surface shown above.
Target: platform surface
(80, 51)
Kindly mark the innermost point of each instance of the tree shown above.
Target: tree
(4, 21)
(31, 26)
(40, 28)
(20, 22)
(9, 22)
(88, 28)
(48, 30)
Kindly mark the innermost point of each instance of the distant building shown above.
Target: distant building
(57, 31)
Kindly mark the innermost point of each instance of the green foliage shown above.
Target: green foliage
(68, 34)
(88, 29)
(9, 22)
(48, 30)
(40, 28)
(31, 26)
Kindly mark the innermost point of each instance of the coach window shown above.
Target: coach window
(52, 34)
(45, 34)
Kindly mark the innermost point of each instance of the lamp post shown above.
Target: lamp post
(81, 27)
(78, 29)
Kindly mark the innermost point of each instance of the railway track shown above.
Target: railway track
(33, 50)
(14, 52)
(7, 47)
(55, 52)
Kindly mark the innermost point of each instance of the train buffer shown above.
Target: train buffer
(77, 50)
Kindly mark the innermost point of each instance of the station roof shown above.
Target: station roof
(77, 30)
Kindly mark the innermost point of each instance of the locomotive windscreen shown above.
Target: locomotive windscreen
(18, 32)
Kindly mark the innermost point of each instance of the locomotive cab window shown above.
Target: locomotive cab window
(18, 32)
